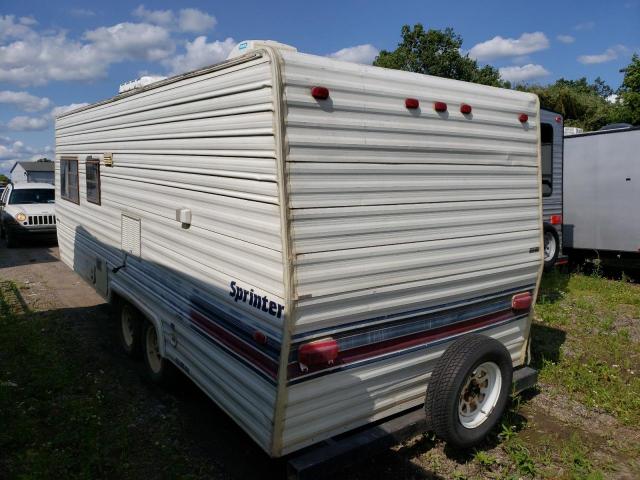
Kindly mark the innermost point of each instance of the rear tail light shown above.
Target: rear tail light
(411, 103)
(440, 106)
(556, 219)
(466, 109)
(523, 118)
(522, 301)
(319, 352)
(320, 93)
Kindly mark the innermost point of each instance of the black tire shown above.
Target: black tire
(550, 234)
(163, 372)
(448, 380)
(129, 323)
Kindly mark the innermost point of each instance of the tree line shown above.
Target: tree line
(582, 104)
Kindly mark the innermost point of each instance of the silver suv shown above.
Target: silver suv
(27, 209)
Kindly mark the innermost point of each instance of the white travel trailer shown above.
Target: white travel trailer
(601, 196)
(318, 245)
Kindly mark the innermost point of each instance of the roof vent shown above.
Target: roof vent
(139, 82)
(248, 45)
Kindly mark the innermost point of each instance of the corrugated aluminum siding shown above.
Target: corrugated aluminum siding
(552, 205)
(205, 143)
(393, 210)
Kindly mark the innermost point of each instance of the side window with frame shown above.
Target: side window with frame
(92, 166)
(546, 144)
(69, 185)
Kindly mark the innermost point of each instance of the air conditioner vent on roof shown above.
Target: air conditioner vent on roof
(139, 82)
(248, 45)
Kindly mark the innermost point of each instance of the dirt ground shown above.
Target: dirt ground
(544, 422)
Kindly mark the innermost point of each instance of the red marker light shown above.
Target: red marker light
(466, 109)
(440, 106)
(523, 117)
(558, 119)
(555, 219)
(319, 352)
(320, 93)
(522, 301)
(260, 337)
(411, 103)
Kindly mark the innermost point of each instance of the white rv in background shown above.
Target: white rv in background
(318, 245)
(602, 196)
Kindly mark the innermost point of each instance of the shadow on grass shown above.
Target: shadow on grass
(546, 344)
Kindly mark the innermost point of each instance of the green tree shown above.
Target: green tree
(436, 52)
(3, 179)
(581, 104)
(627, 109)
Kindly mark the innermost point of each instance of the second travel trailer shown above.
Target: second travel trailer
(602, 195)
(551, 141)
(319, 245)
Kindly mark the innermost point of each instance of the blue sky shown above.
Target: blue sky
(58, 54)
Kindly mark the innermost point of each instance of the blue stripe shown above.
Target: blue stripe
(406, 351)
(403, 316)
(243, 360)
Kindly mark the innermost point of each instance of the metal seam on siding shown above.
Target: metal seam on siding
(277, 65)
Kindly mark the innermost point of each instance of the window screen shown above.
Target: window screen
(69, 187)
(546, 143)
(93, 180)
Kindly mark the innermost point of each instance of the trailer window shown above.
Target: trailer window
(69, 186)
(93, 180)
(546, 143)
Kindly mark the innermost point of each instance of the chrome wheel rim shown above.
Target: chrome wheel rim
(549, 246)
(127, 324)
(153, 352)
(479, 395)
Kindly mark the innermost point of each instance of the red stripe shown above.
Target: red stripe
(396, 344)
(254, 357)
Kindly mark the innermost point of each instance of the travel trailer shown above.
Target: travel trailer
(318, 245)
(602, 196)
(551, 141)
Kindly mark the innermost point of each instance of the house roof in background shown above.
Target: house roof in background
(35, 166)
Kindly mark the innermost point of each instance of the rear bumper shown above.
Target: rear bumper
(358, 445)
(524, 378)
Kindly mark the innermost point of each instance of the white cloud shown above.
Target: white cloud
(359, 54)
(65, 108)
(158, 17)
(12, 27)
(24, 100)
(131, 41)
(523, 73)
(584, 26)
(608, 55)
(23, 123)
(199, 54)
(509, 47)
(12, 151)
(565, 38)
(16, 149)
(36, 59)
(195, 21)
(186, 20)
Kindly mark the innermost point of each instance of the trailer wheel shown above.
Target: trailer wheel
(160, 370)
(551, 247)
(468, 390)
(130, 328)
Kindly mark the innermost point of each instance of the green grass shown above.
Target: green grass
(597, 362)
(60, 417)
